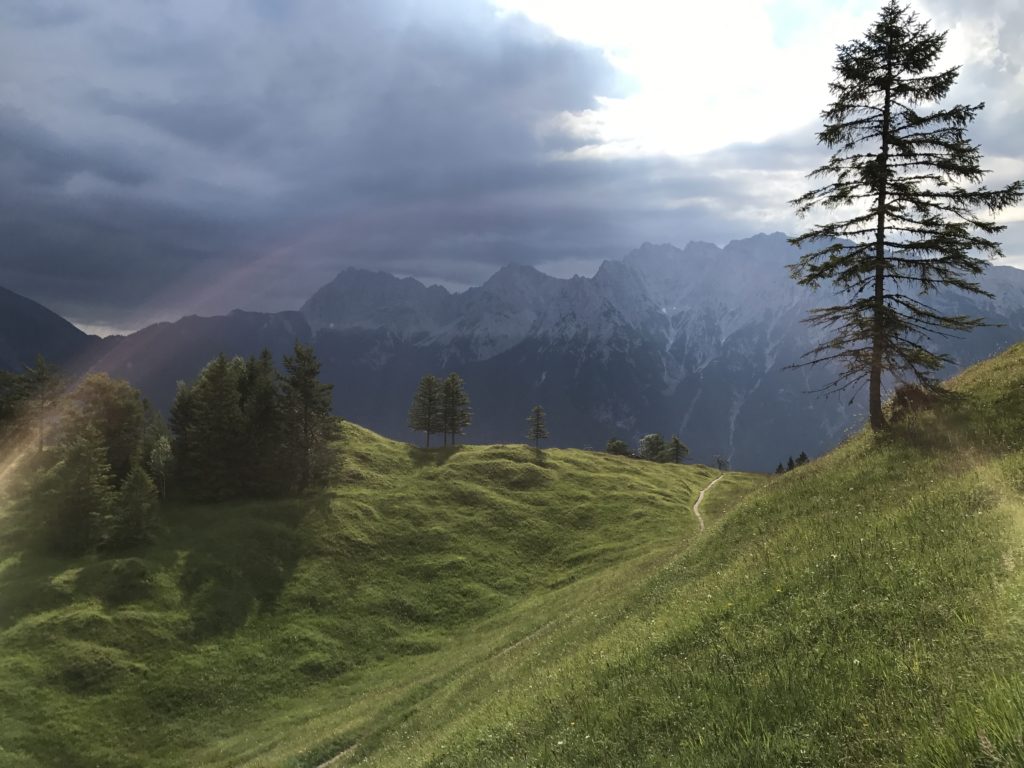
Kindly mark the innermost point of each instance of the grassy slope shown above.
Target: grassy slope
(867, 609)
(281, 633)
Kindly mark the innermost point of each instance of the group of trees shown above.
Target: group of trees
(27, 399)
(100, 483)
(101, 459)
(802, 459)
(242, 429)
(652, 447)
(441, 407)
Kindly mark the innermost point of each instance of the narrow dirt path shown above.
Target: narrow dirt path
(700, 498)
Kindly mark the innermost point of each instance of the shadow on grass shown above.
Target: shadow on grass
(955, 419)
(239, 560)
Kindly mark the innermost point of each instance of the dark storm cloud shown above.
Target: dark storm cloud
(32, 156)
(162, 158)
(276, 143)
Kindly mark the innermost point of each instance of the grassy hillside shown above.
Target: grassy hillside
(487, 608)
(283, 632)
(865, 610)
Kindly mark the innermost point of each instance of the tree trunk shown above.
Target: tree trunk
(877, 330)
(875, 376)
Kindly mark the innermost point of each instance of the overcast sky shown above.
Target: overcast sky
(158, 159)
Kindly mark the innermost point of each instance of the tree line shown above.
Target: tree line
(651, 447)
(790, 465)
(241, 429)
(442, 407)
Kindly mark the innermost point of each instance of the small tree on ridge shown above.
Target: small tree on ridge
(538, 429)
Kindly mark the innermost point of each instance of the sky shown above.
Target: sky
(160, 159)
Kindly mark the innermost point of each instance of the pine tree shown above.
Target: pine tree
(308, 421)
(652, 447)
(262, 406)
(538, 429)
(914, 227)
(617, 447)
(160, 463)
(215, 434)
(802, 459)
(426, 414)
(132, 515)
(780, 469)
(39, 387)
(456, 413)
(76, 495)
(676, 450)
(790, 465)
(116, 410)
(181, 421)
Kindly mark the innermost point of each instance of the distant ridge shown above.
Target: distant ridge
(691, 341)
(27, 329)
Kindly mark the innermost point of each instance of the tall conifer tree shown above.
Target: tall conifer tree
(217, 430)
(263, 431)
(308, 420)
(538, 427)
(677, 450)
(456, 413)
(426, 414)
(912, 181)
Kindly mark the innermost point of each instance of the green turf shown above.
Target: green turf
(491, 607)
(293, 628)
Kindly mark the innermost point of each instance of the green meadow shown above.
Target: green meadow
(495, 605)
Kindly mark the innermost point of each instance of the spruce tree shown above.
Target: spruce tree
(426, 414)
(790, 465)
(676, 450)
(653, 448)
(912, 181)
(456, 413)
(116, 410)
(780, 469)
(262, 406)
(216, 432)
(802, 459)
(76, 495)
(617, 447)
(160, 457)
(308, 421)
(132, 514)
(40, 386)
(538, 428)
(181, 421)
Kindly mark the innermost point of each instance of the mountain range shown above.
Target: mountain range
(693, 341)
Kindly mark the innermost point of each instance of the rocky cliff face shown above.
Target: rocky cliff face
(693, 341)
